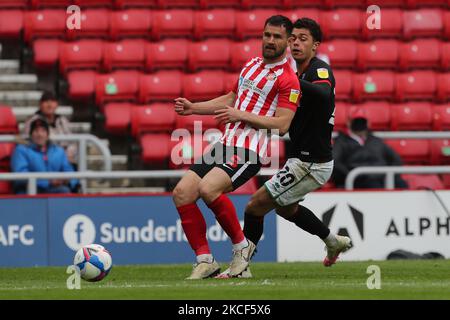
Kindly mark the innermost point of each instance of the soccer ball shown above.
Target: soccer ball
(94, 262)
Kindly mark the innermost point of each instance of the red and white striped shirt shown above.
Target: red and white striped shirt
(261, 89)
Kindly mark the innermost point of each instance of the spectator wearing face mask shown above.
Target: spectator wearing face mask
(358, 147)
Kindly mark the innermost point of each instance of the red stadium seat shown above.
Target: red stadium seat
(343, 84)
(445, 58)
(440, 151)
(447, 24)
(378, 114)
(193, 122)
(392, 3)
(248, 4)
(341, 23)
(131, 23)
(412, 151)
(44, 23)
(446, 180)
(11, 23)
(443, 87)
(373, 85)
(220, 4)
(213, 23)
(427, 3)
(16, 4)
(50, 3)
(194, 4)
(136, 3)
(423, 181)
(155, 148)
(94, 3)
(295, 14)
(173, 23)
(305, 3)
(117, 118)
(160, 86)
(251, 23)
(117, 86)
(6, 151)
(170, 53)
(341, 116)
(391, 25)
(203, 85)
(416, 85)
(411, 116)
(82, 54)
(276, 153)
(242, 52)
(81, 84)
(186, 150)
(423, 23)
(213, 53)
(342, 53)
(378, 54)
(94, 23)
(345, 3)
(124, 54)
(157, 117)
(45, 52)
(230, 80)
(250, 187)
(8, 122)
(441, 117)
(423, 53)
(5, 187)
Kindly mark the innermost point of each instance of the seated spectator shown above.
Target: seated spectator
(358, 147)
(41, 155)
(58, 124)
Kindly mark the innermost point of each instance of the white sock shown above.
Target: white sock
(241, 245)
(330, 240)
(205, 258)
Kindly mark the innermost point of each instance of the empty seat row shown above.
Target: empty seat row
(219, 22)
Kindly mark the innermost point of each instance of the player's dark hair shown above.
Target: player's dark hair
(280, 21)
(312, 26)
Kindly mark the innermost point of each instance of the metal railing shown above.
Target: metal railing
(390, 172)
(82, 140)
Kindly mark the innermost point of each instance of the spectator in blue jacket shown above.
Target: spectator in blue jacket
(41, 155)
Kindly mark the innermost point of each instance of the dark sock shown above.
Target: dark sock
(253, 227)
(305, 219)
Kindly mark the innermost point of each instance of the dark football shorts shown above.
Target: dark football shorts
(239, 163)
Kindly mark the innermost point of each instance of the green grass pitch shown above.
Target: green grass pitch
(425, 279)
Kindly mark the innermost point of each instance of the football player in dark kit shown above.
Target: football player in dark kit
(311, 163)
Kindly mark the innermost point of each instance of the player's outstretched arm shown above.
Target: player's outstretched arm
(185, 107)
(281, 121)
(321, 90)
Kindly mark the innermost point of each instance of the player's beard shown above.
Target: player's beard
(272, 55)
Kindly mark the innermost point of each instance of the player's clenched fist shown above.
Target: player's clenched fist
(183, 106)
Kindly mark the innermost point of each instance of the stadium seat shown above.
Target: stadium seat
(94, 24)
(44, 23)
(251, 4)
(8, 122)
(251, 23)
(212, 53)
(156, 148)
(248, 188)
(391, 25)
(412, 151)
(423, 53)
(343, 84)
(373, 85)
(16, 4)
(45, 52)
(345, 3)
(82, 54)
(194, 4)
(124, 54)
(340, 116)
(423, 23)
(37, 4)
(11, 23)
(378, 54)
(117, 86)
(203, 85)
(446, 180)
(205, 4)
(242, 52)
(443, 87)
(441, 117)
(94, 3)
(81, 84)
(186, 150)
(172, 23)
(305, 3)
(378, 114)
(440, 151)
(160, 86)
(170, 53)
(416, 85)
(214, 23)
(447, 25)
(423, 181)
(203, 122)
(295, 14)
(131, 23)
(445, 58)
(411, 116)
(427, 3)
(157, 117)
(136, 3)
(6, 151)
(230, 80)
(342, 53)
(276, 152)
(117, 118)
(341, 23)
(5, 187)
